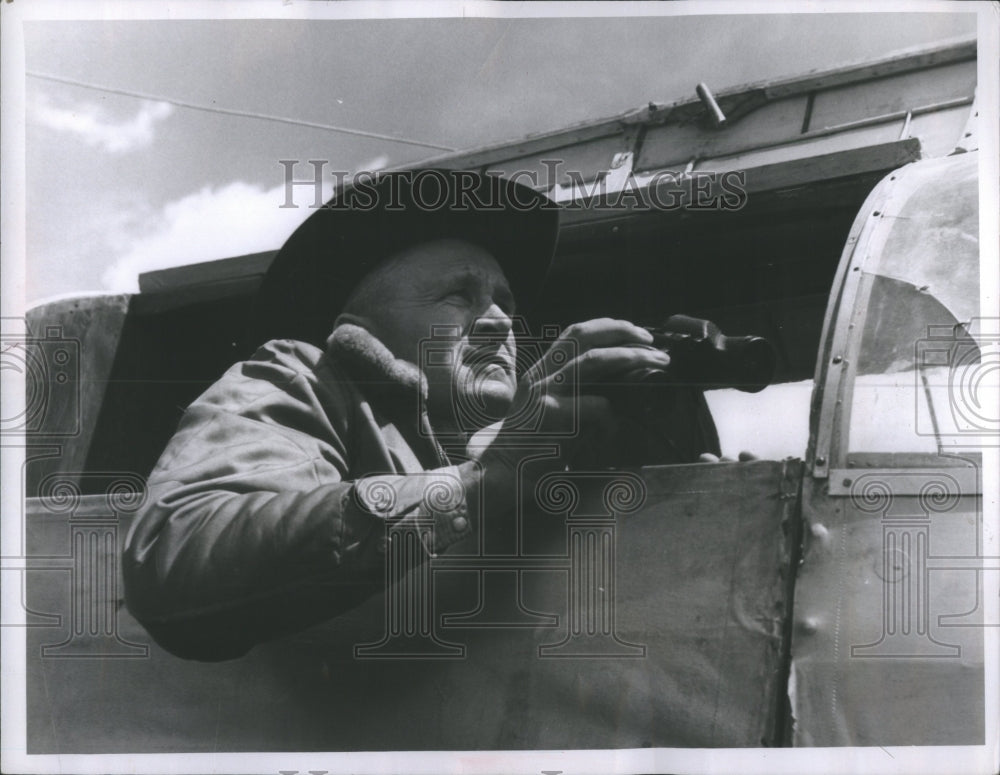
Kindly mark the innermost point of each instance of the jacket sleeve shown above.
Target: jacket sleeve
(252, 527)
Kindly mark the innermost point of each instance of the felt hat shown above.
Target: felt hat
(375, 217)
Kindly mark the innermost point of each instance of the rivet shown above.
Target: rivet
(821, 461)
(837, 359)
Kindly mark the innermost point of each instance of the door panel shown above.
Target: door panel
(652, 614)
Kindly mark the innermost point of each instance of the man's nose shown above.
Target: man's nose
(492, 322)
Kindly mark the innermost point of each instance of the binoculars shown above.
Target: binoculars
(663, 416)
(702, 356)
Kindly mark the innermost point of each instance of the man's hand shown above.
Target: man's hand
(564, 385)
(743, 457)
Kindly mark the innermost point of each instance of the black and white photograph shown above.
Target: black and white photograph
(499, 387)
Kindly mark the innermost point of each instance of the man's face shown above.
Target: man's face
(460, 285)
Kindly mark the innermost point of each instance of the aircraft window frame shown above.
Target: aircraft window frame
(848, 318)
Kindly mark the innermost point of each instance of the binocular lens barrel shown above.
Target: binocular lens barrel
(701, 355)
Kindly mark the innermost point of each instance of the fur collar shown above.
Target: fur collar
(371, 361)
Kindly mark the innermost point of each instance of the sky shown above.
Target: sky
(119, 184)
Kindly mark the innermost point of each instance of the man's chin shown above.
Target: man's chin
(479, 402)
(493, 395)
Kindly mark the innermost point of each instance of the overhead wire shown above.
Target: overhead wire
(232, 112)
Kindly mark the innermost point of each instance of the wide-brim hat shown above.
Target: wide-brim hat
(366, 222)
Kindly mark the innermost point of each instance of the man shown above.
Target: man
(267, 511)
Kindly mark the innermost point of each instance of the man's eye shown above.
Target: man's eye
(460, 295)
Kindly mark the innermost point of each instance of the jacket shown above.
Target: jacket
(268, 510)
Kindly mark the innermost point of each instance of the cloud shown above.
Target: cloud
(213, 223)
(92, 125)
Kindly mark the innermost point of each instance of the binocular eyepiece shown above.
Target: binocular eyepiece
(702, 356)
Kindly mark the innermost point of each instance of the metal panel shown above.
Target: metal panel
(686, 649)
(940, 131)
(793, 173)
(909, 481)
(74, 342)
(736, 102)
(586, 158)
(888, 628)
(904, 62)
(679, 143)
(802, 149)
(893, 94)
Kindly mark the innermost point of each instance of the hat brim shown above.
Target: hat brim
(314, 273)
